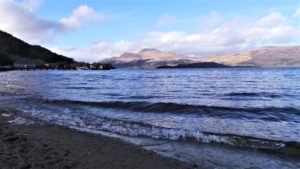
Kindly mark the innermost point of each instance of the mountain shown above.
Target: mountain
(148, 58)
(14, 50)
(274, 56)
(197, 65)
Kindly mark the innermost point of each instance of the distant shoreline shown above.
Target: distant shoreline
(173, 68)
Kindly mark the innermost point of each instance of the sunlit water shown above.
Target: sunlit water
(251, 108)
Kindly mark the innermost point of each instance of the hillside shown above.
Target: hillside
(276, 56)
(196, 65)
(148, 58)
(284, 56)
(14, 50)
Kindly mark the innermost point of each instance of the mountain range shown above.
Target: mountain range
(14, 50)
(272, 56)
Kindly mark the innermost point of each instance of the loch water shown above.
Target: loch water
(247, 108)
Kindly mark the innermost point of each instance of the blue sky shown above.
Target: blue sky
(91, 30)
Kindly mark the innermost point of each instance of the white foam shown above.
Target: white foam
(6, 114)
(21, 121)
(127, 126)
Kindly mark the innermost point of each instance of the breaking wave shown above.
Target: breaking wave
(140, 129)
(267, 113)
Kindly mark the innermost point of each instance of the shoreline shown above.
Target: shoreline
(45, 146)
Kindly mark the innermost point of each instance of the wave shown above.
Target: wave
(252, 94)
(140, 129)
(96, 122)
(81, 87)
(267, 113)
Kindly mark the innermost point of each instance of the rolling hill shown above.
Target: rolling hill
(148, 58)
(274, 56)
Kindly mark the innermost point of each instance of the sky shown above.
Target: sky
(91, 30)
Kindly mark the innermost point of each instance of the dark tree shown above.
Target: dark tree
(4, 60)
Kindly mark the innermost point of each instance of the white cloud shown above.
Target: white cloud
(273, 19)
(80, 16)
(211, 22)
(97, 51)
(79, 55)
(297, 13)
(19, 19)
(218, 34)
(165, 20)
(31, 4)
(224, 36)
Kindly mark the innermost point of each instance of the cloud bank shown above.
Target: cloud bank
(19, 19)
(297, 13)
(80, 16)
(165, 20)
(219, 35)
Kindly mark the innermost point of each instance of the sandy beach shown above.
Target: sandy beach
(41, 146)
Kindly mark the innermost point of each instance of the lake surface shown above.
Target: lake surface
(245, 108)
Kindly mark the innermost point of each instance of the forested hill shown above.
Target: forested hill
(14, 50)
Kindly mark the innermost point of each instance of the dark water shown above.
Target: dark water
(252, 108)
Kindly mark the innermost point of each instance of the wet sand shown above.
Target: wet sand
(41, 146)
